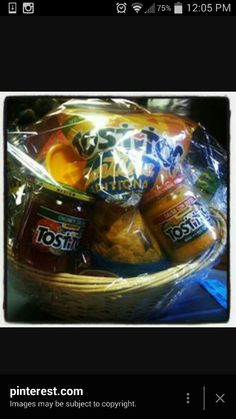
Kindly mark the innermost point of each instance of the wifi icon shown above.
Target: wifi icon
(137, 7)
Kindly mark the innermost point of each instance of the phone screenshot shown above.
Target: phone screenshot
(117, 227)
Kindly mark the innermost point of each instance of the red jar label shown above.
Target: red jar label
(56, 232)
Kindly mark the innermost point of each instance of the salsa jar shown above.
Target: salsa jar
(54, 232)
(179, 220)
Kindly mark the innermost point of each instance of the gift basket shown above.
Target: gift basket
(110, 207)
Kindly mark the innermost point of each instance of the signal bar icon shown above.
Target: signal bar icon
(137, 7)
(152, 9)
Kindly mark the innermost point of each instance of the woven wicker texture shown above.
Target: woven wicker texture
(75, 298)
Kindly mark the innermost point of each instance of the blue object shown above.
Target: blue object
(192, 302)
(217, 290)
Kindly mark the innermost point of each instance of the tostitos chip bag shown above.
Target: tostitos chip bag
(122, 149)
(133, 152)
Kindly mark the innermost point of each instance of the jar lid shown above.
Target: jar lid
(67, 191)
(159, 190)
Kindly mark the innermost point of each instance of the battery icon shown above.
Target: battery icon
(178, 8)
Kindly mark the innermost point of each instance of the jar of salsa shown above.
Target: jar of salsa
(179, 220)
(54, 232)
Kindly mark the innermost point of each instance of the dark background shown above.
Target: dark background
(116, 54)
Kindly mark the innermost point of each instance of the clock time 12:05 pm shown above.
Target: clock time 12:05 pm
(209, 8)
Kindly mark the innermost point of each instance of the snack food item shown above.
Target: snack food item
(179, 220)
(131, 153)
(127, 149)
(121, 235)
(54, 231)
(64, 166)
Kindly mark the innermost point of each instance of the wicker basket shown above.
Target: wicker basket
(75, 298)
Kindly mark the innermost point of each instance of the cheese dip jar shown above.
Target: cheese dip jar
(179, 220)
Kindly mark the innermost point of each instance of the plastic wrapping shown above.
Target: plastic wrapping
(109, 197)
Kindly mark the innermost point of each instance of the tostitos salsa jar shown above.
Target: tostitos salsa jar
(54, 231)
(179, 220)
